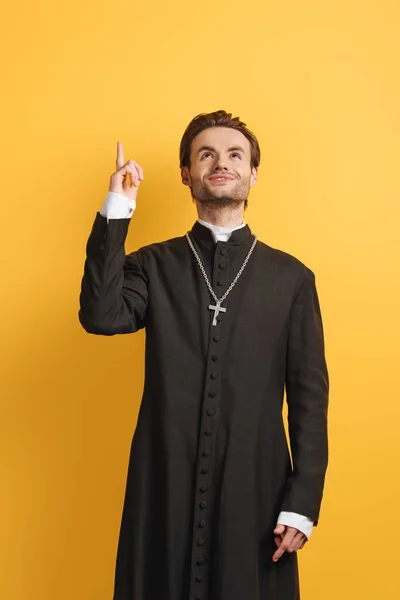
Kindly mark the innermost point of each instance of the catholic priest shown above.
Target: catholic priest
(215, 507)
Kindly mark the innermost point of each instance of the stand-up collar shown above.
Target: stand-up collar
(203, 234)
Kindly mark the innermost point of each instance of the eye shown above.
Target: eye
(209, 153)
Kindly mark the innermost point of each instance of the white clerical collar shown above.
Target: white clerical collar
(221, 234)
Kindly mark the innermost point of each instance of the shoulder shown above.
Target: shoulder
(159, 249)
(287, 263)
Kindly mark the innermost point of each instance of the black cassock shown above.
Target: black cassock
(209, 468)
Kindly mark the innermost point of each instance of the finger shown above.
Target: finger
(125, 169)
(280, 529)
(120, 156)
(278, 541)
(297, 540)
(121, 174)
(136, 172)
(287, 540)
(278, 553)
(138, 168)
(304, 542)
(135, 181)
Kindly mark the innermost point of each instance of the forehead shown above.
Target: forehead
(220, 138)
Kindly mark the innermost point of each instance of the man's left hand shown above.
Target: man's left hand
(289, 539)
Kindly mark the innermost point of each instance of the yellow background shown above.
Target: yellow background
(318, 83)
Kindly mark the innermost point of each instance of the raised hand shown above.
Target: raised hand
(119, 182)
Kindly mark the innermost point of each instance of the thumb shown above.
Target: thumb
(279, 529)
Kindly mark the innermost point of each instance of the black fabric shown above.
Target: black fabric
(209, 468)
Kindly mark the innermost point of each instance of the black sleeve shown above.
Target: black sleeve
(307, 385)
(113, 296)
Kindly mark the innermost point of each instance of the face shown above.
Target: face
(220, 174)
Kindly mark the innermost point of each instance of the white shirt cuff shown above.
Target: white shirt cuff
(117, 206)
(293, 519)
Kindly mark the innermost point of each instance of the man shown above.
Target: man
(213, 509)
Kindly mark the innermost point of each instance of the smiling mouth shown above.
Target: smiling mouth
(220, 181)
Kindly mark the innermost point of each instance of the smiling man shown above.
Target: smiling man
(227, 188)
(214, 509)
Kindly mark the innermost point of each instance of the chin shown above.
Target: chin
(220, 202)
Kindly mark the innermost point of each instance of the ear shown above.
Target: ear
(186, 179)
(254, 175)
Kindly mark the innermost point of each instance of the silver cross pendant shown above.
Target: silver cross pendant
(217, 309)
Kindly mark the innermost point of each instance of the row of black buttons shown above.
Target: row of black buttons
(206, 452)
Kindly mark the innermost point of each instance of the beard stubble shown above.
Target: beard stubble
(236, 197)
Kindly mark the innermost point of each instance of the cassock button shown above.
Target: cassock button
(206, 452)
(203, 488)
(202, 523)
(203, 504)
(223, 265)
(200, 561)
(223, 251)
(208, 432)
(102, 247)
(216, 338)
(219, 282)
(204, 470)
(210, 412)
(199, 577)
(214, 375)
(200, 542)
(212, 394)
(214, 357)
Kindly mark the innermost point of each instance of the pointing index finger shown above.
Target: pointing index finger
(120, 156)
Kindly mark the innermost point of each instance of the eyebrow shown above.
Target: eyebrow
(213, 149)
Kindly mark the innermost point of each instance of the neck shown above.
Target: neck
(221, 217)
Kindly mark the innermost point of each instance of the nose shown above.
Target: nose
(220, 164)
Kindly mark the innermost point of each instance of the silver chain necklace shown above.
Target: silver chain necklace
(218, 308)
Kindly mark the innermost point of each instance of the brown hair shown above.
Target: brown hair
(218, 118)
